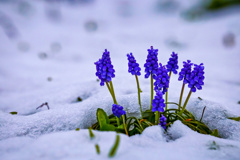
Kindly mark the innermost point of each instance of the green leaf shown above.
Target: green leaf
(97, 148)
(107, 127)
(90, 133)
(77, 129)
(215, 133)
(115, 147)
(102, 117)
(14, 112)
(234, 118)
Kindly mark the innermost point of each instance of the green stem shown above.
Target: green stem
(110, 90)
(180, 100)
(156, 117)
(139, 96)
(124, 125)
(118, 123)
(166, 98)
(114, 98)
(151, 91)
(186, 101)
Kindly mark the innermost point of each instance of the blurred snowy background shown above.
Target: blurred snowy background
(49, 44)
(48, 49)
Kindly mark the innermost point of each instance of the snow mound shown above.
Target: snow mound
(83, 115)
(151, 143)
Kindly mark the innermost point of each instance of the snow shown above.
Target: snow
(122, 27)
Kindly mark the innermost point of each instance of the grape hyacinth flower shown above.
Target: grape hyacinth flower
(158, 103)
(117, 110)
(151, 65)
(195, 81)
(172, 65)
(162, 121)
(105, 71)
(161, 80)
(133, 66)
(185, 72)
(134, 69)
(184, 75)
(196, 78)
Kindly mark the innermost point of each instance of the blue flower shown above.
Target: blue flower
(173, 63)
(185, 72)
(161, 79)
(158, 103)
(151, 65)
(133, 66)
(162, 121)
(196, 78)
(105, 71)
(117, 110)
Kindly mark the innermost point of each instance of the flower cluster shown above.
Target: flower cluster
(105, 71)
(151, 65)
(158, 103)
(185, 72)
(117, 110)
(162, 121)
(173, 63)
(161, 79)
(133, 66)
(196, 78)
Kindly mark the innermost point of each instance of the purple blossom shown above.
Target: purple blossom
(104, 67)
(158, 103)
(196, 78)
(117, 110)
(151, 65)
(173, 63)
(185, 72)
(162, 121)
(161, 79)
(133, 66)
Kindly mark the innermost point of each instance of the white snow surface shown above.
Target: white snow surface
(122, 26)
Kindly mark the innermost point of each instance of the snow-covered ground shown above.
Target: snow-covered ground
(52, 60)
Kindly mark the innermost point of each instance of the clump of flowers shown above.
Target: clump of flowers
(158, 113)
